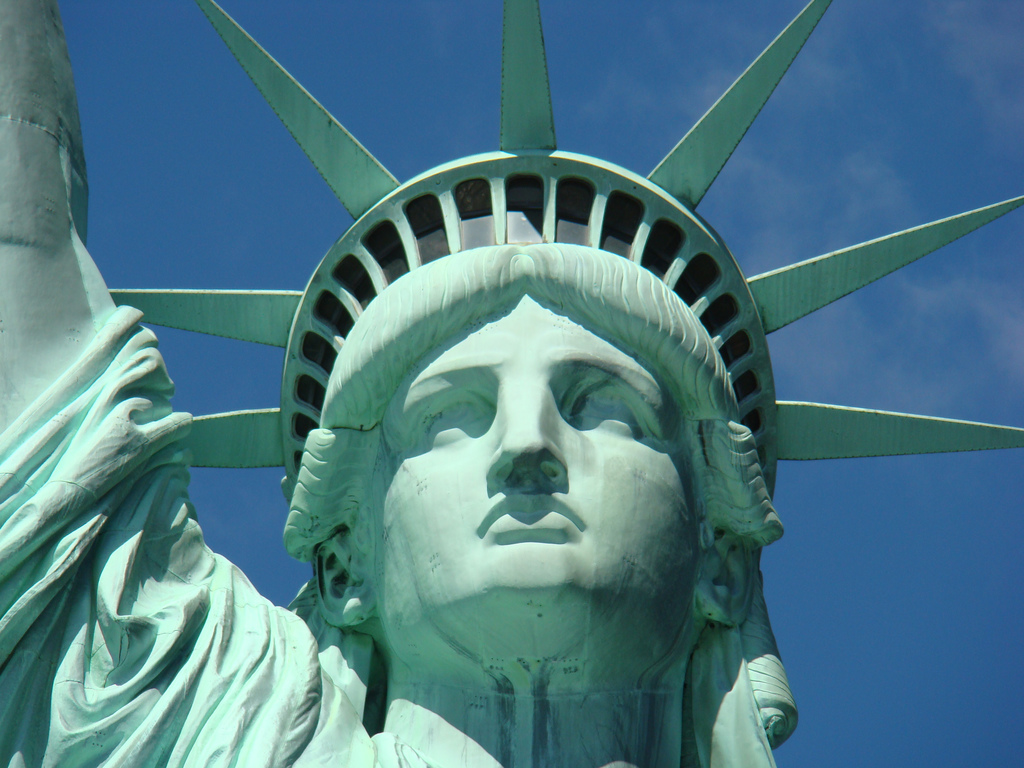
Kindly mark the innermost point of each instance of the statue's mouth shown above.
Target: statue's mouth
(536, 534)
(533, 518)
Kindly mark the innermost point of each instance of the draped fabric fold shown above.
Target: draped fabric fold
(124, 640)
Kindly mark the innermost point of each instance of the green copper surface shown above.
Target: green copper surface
(787, 294)
(526, 117)
(263, 317)
(356, 177)
(692, 166)
(52, 297)
(448, 370)
(37, 94)
(817, 431)
(237, 439)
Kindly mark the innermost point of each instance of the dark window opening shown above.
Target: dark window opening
(721, 311)
(302, 425)
(621, 221)
(385, 246)
(745, 386)
(524, 202)
(736, 347)
(662, 246)
(473, 199)
(573, 202)
(354, 278)
(331, 311)
(427, 222)
(310, 391)
(318, 351)
(699, 275)
(752, 420)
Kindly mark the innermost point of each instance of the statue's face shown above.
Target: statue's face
(536, 504)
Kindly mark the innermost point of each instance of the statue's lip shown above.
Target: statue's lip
(540, 518)
(531, 534)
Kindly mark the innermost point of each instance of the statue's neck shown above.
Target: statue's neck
(463, 727)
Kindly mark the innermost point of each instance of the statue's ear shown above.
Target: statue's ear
(726, 580)
(345, 592)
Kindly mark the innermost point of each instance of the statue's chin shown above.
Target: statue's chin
(538, 628)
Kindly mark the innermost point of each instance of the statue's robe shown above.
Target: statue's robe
(124, 641)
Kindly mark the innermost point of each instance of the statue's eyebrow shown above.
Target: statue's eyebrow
(433, 382)
(638, 378)
(414, 405)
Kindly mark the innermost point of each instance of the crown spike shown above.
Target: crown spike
(689, 170)
(819, 431)
(238, 439)
(356, 177)
(263, 317)
(787, 294)
(526, 118)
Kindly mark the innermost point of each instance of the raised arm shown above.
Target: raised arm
(52, 297)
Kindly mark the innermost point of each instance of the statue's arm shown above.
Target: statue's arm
(52, 297)
(123, 638)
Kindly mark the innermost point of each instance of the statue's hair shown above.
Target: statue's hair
(734, 491)
(610, 296)
(438, 303)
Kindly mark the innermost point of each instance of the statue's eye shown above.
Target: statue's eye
(621, 399)
(454, 414)
(440, 409)
(607, 403)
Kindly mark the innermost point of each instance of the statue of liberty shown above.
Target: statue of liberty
(529, 431)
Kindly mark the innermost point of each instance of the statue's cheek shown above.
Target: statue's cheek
(637, 516)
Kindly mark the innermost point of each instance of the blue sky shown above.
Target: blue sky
(896, 594)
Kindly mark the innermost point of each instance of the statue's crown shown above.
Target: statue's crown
(532, 192)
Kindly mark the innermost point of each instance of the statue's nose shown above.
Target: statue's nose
(529, 459)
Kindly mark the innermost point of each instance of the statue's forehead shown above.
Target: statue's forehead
(534, 340)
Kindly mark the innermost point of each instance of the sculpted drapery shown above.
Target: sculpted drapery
(124, 639)
(604, 408)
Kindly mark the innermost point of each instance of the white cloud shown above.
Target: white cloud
(934, 342)
(983, 44)
(995, 310)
